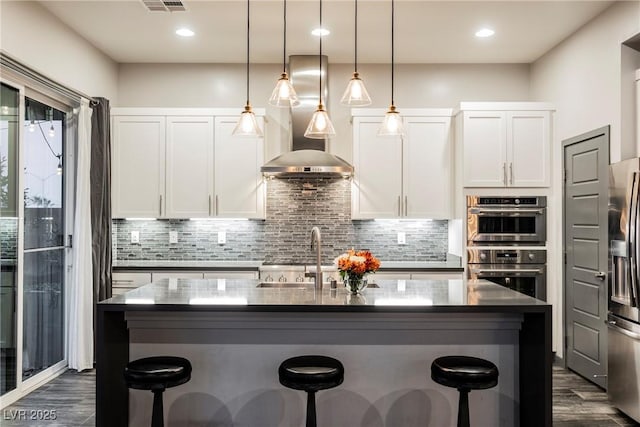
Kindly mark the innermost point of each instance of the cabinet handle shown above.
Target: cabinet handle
(217, 203)
(406, 204)
(160, 205)
(209, 204)
(504, 173)
(399, 206)
(511, 173)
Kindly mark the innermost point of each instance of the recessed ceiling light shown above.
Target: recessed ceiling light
(185, 32)
(485, 32)
(320, 32)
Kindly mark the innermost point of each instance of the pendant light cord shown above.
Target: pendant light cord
(320, 58)
(248, 32)
(392, 47)
(355, 53)
(284, 48)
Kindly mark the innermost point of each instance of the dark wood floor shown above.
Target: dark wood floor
(576, 403)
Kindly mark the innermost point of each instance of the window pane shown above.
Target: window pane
(43, 311)
(43, 193)
(8, 236)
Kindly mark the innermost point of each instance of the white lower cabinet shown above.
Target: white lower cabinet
(124, 282)
(176, 275)
(438, 275)
(252, 275)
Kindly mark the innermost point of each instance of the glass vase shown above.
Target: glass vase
(355, 284)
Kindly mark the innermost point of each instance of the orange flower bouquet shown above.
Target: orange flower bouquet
(353, 266)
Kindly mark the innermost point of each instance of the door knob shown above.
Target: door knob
(600, 275)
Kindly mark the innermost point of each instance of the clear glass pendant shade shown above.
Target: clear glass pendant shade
(247, 125)
(320, 125)
(392, 124)
(284, 95)
(356, 94)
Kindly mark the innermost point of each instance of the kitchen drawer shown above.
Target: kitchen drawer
(401, 275)
(231, 275)
(176, 275)
(438, 275)
(123, 282)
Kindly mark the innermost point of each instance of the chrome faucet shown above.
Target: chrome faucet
(315, 237)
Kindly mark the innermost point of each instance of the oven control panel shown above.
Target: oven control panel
(506, 256)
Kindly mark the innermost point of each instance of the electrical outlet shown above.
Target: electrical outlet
(402, 238)
(173, 237)
(135, 237)
(222, 237)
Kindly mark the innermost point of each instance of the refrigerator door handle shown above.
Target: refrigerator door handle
(632, 236)
(613, 325)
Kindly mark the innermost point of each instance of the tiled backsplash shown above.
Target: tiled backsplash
(294, 206)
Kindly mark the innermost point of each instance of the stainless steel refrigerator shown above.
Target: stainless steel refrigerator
(624, 287)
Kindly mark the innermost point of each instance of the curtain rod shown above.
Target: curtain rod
(14, 65)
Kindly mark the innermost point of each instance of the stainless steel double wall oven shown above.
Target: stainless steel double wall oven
(503, 239)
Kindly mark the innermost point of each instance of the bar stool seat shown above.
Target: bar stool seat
(464, 373)
(311, 374)
(157, 373)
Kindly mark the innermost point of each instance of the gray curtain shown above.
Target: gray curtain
(101, 198)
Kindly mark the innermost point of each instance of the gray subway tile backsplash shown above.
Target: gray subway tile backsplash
(294, 206)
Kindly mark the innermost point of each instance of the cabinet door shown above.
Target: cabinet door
(157, 276)
(232, 275)
(427, 168)
(528, 148)
(189, 171)
(124, 282)
(484, 149)
(138, 156)
(377, 183)
(239, 188)
(438, 275)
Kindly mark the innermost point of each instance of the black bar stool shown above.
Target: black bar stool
(464, 373)
(311, 373)
(157, 374)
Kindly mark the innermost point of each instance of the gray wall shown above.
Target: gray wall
(223, 86)
(293, 207)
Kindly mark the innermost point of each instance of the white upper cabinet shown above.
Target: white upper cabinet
(138, 166)
(377, 181)
(189, 171)
(427, 168)
(505, 148)
(184, 163)
(239, 187)
(408, 177)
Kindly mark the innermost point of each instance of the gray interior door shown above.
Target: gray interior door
(586, 162)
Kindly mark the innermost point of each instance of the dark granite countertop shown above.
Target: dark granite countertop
(451, 264)
(221, 294)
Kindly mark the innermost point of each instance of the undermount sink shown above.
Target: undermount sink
(299, 285)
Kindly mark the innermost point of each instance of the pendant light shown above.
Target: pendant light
(52, 131)
(320, 125)
(356, 94)
(284, 95)
(392, 123)
(247, 125)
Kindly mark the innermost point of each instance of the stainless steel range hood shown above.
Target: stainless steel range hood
(307, 156)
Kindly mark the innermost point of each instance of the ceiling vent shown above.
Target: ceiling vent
(164, 5)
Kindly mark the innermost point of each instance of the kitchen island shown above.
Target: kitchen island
(236, 334)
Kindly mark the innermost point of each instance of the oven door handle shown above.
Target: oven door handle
(501, 211)
(506, 270)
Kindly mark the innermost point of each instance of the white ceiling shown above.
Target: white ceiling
(426, 31)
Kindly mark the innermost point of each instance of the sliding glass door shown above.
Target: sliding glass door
(44, 231)
(9, 135)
